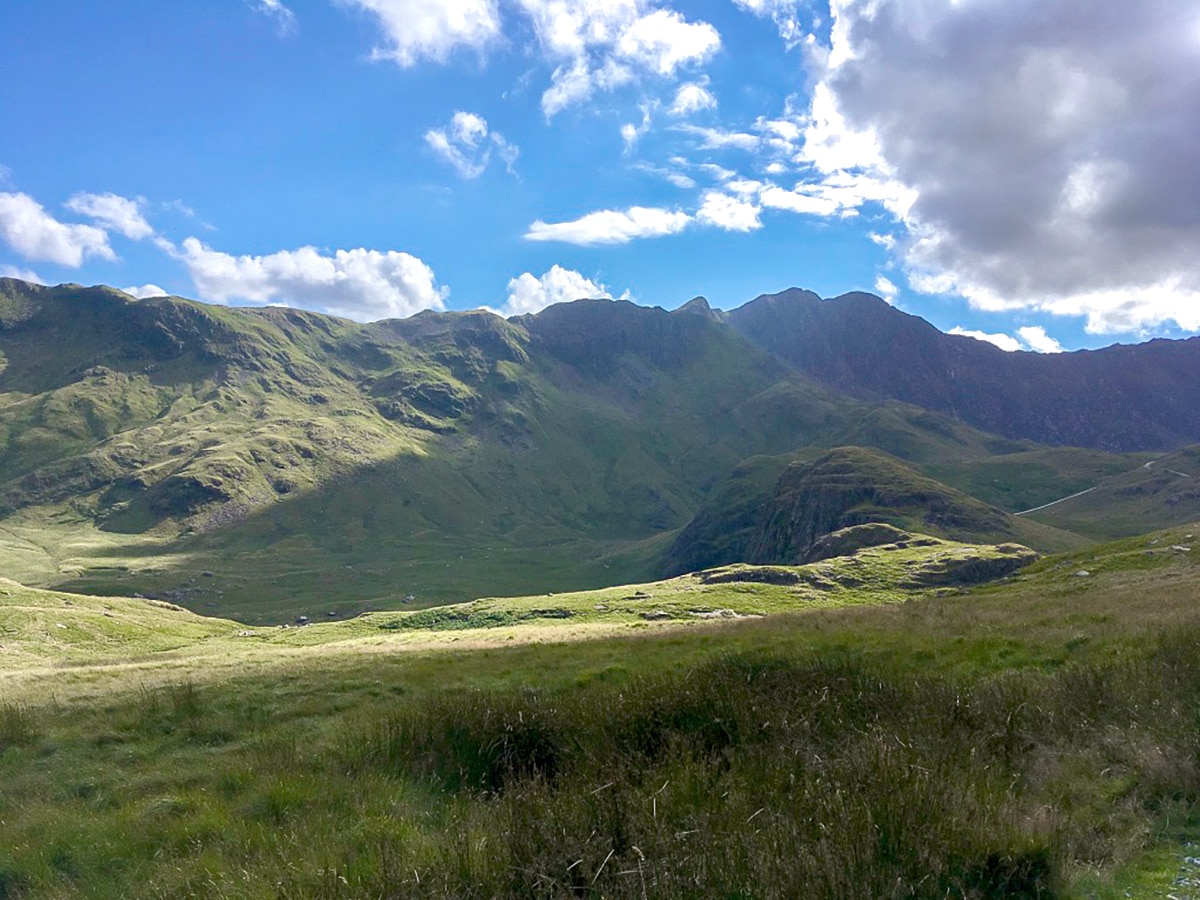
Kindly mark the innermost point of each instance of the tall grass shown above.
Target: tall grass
(753, 775)
(784, 778)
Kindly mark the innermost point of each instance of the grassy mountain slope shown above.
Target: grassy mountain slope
(295, 455)
(261, 464)
(1162, 492)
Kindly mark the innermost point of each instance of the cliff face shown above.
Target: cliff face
(1122, 398)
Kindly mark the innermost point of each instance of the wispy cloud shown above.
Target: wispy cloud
(467, 144)
(285, 19)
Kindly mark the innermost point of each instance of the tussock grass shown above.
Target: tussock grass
(753, 774)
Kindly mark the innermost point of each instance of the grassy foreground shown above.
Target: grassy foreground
(1032, 738)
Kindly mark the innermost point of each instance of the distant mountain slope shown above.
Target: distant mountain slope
(1161, 493)
(1122, 398)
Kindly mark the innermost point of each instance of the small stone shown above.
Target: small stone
(1082, 573)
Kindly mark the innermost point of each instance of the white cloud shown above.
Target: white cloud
(610, 226)
(1032, 337)
(431, 29)
(718, 139)
(145, 290)
(599, 46)
(360, 284)
(1005, 342)
(631, 134)
(1035, 338)
(284, 18)
(529, 294)
(694, 96)
(784, 13)
(663, 40)
(21, 274)
(728, 213)
(575, 83)
(467, 144)
(717, 173)
(5, 174)
(798, 201)
(672, 176)
(886, 288)
(1045, 151)
(113, 212)
(37, 235)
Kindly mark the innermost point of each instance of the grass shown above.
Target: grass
(1036, 735)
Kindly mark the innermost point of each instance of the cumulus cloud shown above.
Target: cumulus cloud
(529, 294)
(29, 275)
(145, 290)
(1005, 342)
(601, 46)
(467, 145)
(1045, 148)
(35, 234)
(1035, 338)
(360, 284)
(285, 19)
(1032, 337)
(611, 226)
(418, 30)
(886, 288)
(114, 212)
(694, 96)
(728, 213)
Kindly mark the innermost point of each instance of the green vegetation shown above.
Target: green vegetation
(1035, 735)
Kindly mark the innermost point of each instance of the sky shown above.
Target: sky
(1024, 171)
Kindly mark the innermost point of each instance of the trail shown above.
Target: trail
(1148, 465)
(1026, 512)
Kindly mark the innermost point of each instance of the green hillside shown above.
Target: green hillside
(260, 464)
(774, 509)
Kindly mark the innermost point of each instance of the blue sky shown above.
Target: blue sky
(1025, 170)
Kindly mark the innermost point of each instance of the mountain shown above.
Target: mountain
(1120, 399)
(261, 462)
(265, 463)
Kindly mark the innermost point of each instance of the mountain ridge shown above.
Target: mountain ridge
(1121, 398)
(255, 462)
